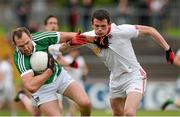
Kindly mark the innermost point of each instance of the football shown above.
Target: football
(39, 61)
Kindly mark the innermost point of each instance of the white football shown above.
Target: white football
(39, 61)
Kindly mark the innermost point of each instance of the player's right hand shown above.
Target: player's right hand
(51, 62)
(78, 40)
(170, 55)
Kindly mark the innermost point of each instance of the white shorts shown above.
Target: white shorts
(129, 82)
(59, 97)
(49, 92)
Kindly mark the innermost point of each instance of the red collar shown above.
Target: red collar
(109, 30)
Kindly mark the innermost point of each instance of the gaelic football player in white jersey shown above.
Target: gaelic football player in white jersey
(54, 79)
(127, 78)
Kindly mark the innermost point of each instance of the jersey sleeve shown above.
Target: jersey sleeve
(129, 31)
(178, 52)
(68, 59)
(46, 38)
(22, 63)
(54, 50)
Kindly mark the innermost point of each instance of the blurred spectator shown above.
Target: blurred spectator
(7, 86)
(123, 8)
(40, 7)
(144, 12)
(87, 7)
(159, 10)
(23, 10)
(73, 14)
(4, 2)
(33, 26)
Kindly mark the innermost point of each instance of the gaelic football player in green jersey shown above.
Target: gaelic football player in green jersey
(174, 101)
(50, 24)
(54, 79)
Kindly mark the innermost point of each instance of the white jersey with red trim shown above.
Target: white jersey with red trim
(76, 73)
(119, 57)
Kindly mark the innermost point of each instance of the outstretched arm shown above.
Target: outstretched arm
(66, 36)
(150, 31)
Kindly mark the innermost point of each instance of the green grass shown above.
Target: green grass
(18, 113)
(106, 113)
(2, 32)
(174, 32)
(158, 113)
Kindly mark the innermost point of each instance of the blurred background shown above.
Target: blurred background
(73, 14)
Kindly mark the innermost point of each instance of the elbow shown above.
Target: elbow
(146, 30)
(31, 88)
(150, 30)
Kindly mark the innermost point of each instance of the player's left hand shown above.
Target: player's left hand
(170, 55)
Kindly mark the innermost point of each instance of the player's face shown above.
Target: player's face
(52, 24)
(101, 27)
(24, 44)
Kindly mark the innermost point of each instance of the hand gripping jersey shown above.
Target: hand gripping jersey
(41, 42)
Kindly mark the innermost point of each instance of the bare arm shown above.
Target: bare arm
(33, 83)
(146, 30)
(66, 36)
(177, 60)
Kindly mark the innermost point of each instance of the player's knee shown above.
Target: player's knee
(86, 104)
(129, 112)
(36, 114)
(85, 108)
(118, 112)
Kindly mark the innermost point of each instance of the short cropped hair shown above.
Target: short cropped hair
(18, 33)
(101, 15)
(48, 17)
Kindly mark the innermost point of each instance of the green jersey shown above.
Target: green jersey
(41, 42)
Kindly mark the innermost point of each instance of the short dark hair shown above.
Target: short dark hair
(48, 17)
(18, 33)
(101, 15)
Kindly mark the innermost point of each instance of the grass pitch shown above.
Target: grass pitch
(105, 113)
